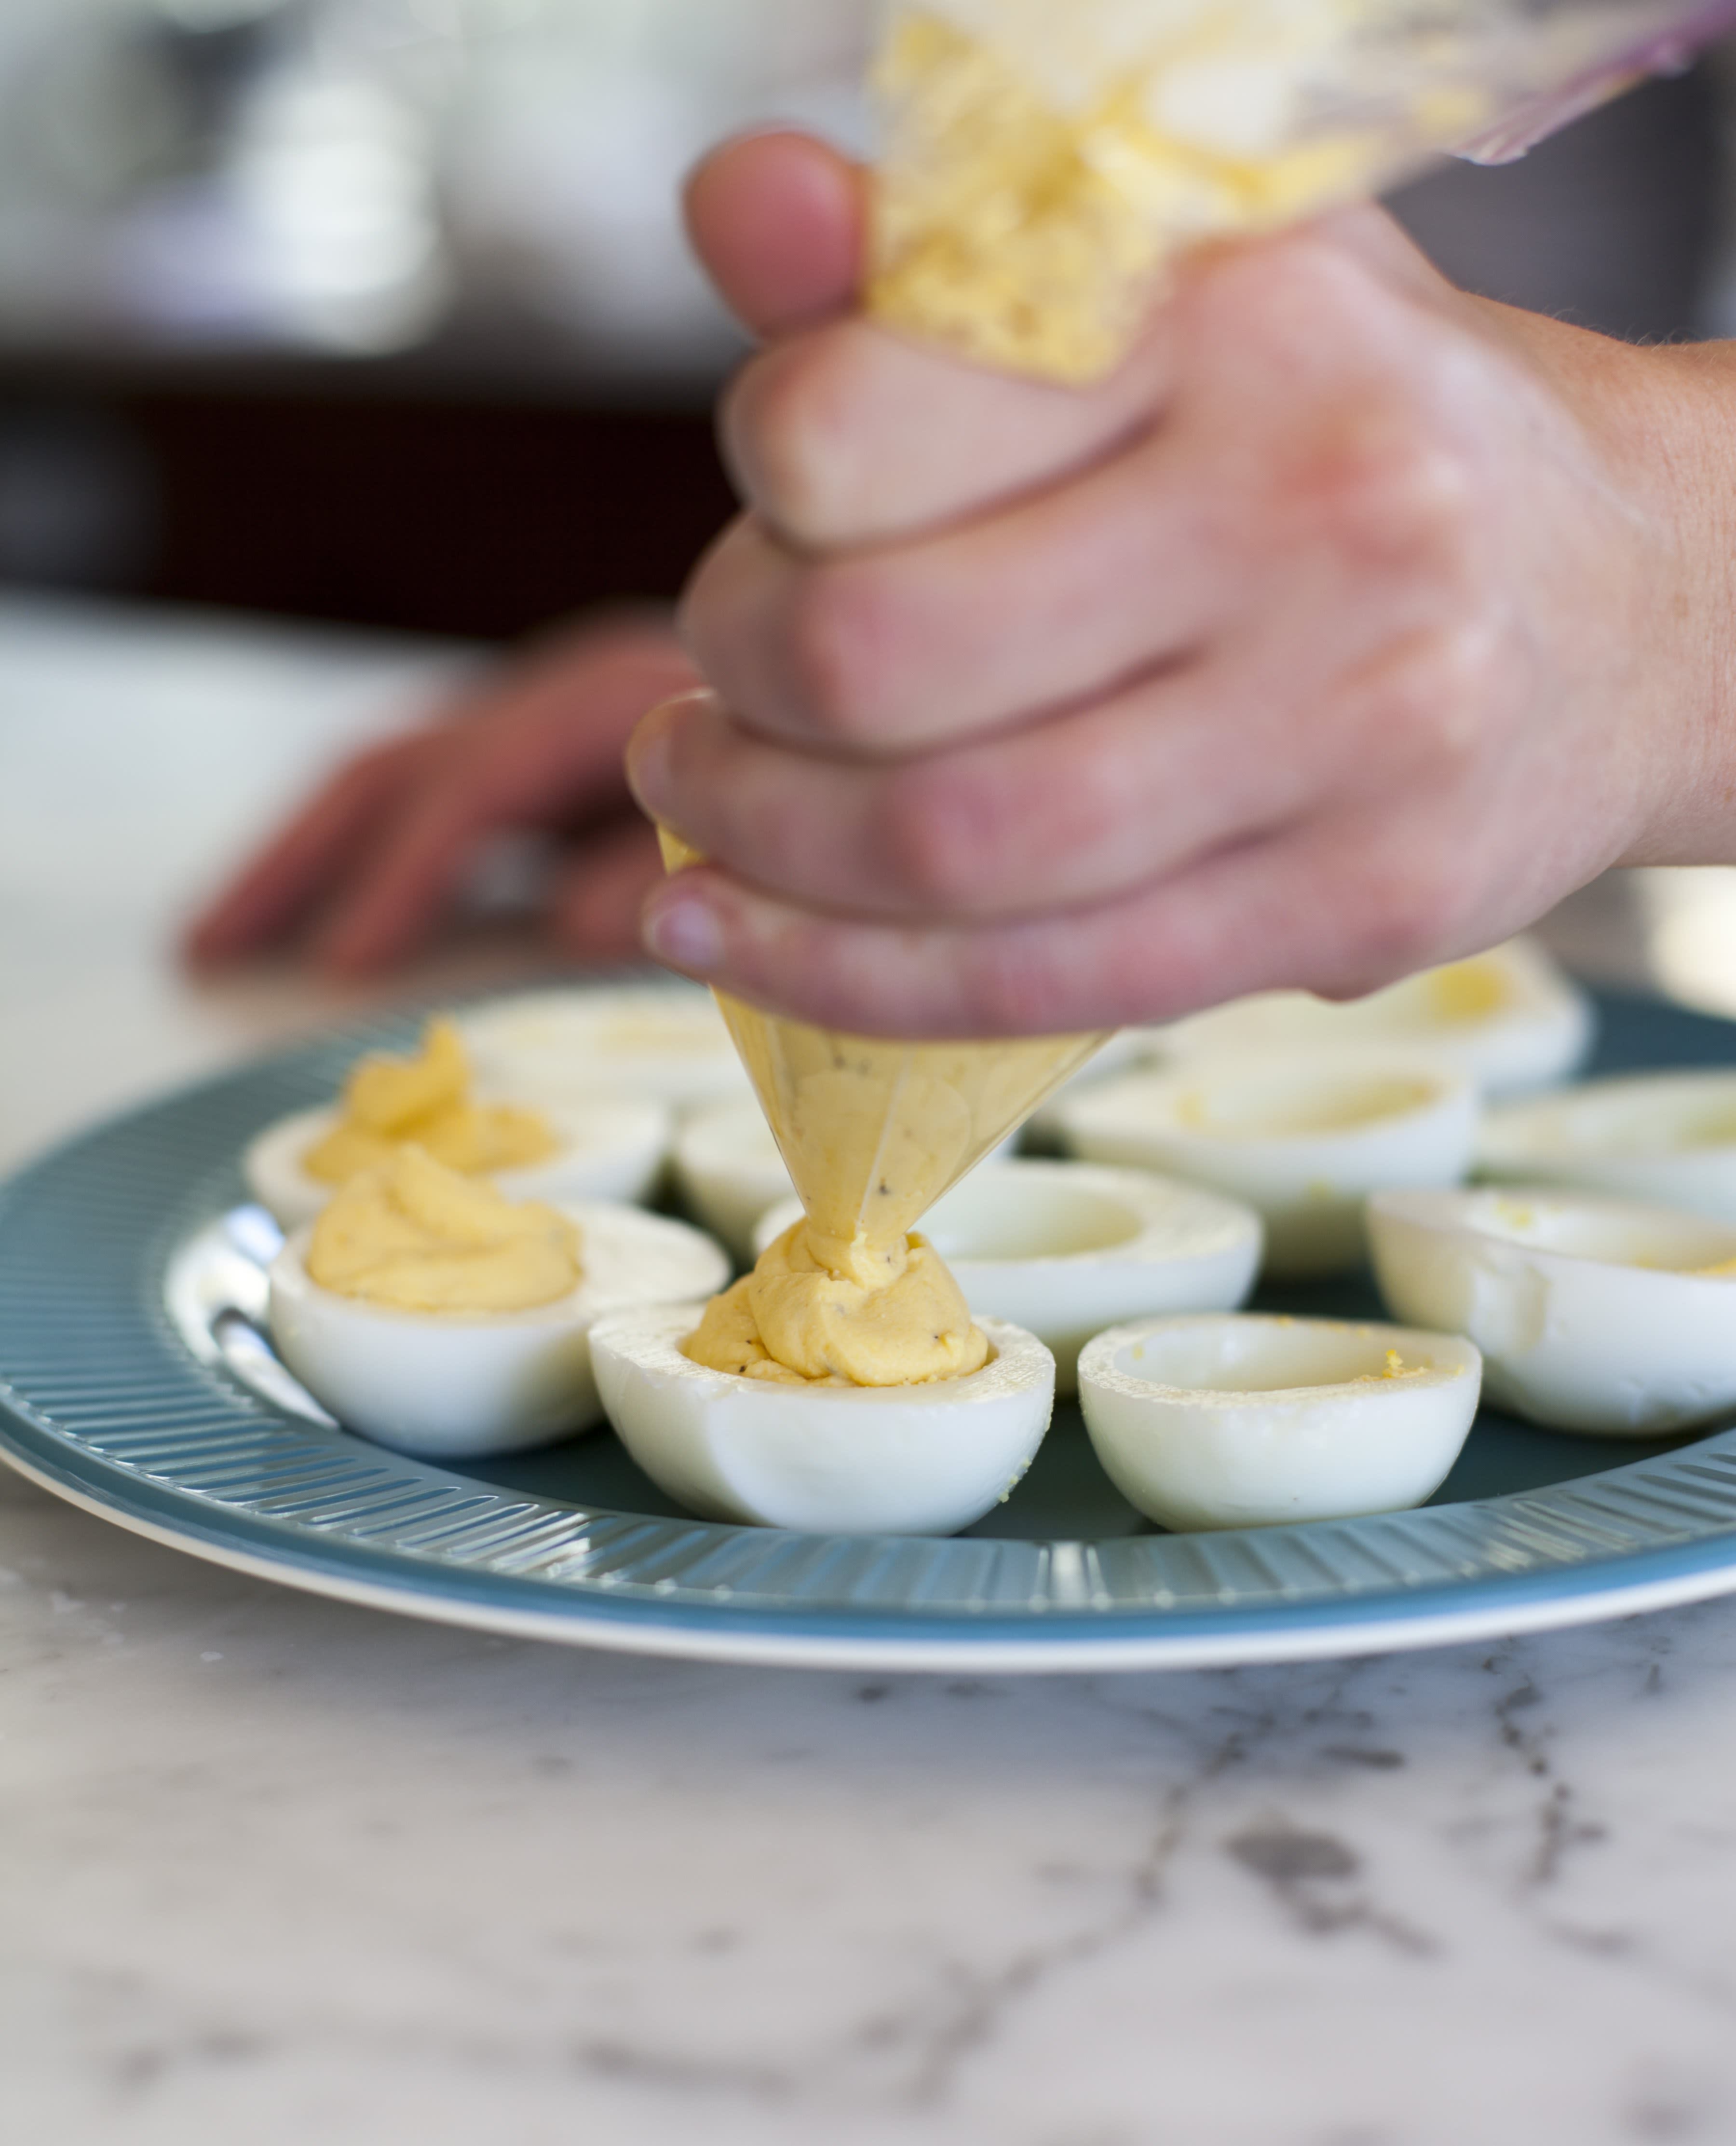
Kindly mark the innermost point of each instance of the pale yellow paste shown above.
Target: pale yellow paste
(875, 1314)
(1047, 160)
(417, 1237)
(389, 1102)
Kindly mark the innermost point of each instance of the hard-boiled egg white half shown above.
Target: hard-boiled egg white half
(446, 1385)
(1066, 1249)
(1511, 1019)
(611, 1148)
(665, 1042)
(1667, 1137)
(1593, 1314)
(909, 1461)
(728, 1172)
(1244, 1421)
(1303, 1139)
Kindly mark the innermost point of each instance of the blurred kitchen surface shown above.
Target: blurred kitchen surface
(378, 311)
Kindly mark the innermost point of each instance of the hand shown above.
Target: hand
(377, 853)
(1348, 627)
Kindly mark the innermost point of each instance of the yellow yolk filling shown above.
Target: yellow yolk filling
(417, 1236)
(1467, 991)
(389, 1102)
(815, 1311)
(1045, 162)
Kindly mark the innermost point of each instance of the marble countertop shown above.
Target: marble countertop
(274, 1869)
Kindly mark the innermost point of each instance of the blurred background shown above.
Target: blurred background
(377, 311)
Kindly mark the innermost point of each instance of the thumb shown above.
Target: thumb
(780, 221)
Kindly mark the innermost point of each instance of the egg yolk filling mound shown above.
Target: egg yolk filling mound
(416, 1236)
(389, 1102)
(822, 1311)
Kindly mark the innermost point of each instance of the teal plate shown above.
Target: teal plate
(134, 1381)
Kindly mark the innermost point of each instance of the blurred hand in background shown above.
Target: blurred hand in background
(371, 867)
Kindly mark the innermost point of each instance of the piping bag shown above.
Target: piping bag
(1046, 164)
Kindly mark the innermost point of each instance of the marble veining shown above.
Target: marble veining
(271, 1863)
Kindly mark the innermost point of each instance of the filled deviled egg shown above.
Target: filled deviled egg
(1594, 1313)
(431, 1313)
(1246, 1421)
(1303, 1139)
(1066, 1248)
(609, 1148)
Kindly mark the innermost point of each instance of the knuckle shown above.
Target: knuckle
(1387, 495)
(1404, 907)
(787, 434)
(840, 626)
(938, 829)
(1435, 693)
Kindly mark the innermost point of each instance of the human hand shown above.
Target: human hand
(374, 858)
(1340, 633)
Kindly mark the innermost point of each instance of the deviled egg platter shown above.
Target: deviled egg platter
(600, 1147)
(1594, 1313)
(429, 1312)
(1240, 1421)
(1301, 1138)
(1067, 1249)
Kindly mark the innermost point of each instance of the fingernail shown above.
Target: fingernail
(684, 931)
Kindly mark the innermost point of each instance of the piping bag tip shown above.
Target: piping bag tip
(873, 1131)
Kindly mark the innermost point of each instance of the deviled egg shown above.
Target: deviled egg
(1303, 1140)
(1593, 1314)
(431, 1314)
(1669, 1137)
(1066, 1249)
(1242, 1421)
(602, 1148)
(1511, 1019)
(828, 1459)
(664, 1042)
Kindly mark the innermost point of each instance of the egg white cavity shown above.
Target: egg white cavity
(1540, 1030)
(1589, 1310)
(666, 1041)
(1239, 1420)
(1064, 1249)
(729, 1171)
(1667, 1137)
(446, 1386)
(612, 1148)
(903, 1460)
(1303, 1140)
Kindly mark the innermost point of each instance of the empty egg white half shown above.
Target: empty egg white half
(612, 1148)
(446, 1386)
(728, 1170)
(1667, 1137)
(1511, 1020)
(1066, 1249)
(902, 1461)
(1588, 1310)
(1302, 1139)
(1245, 1421)
(664, 1042)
